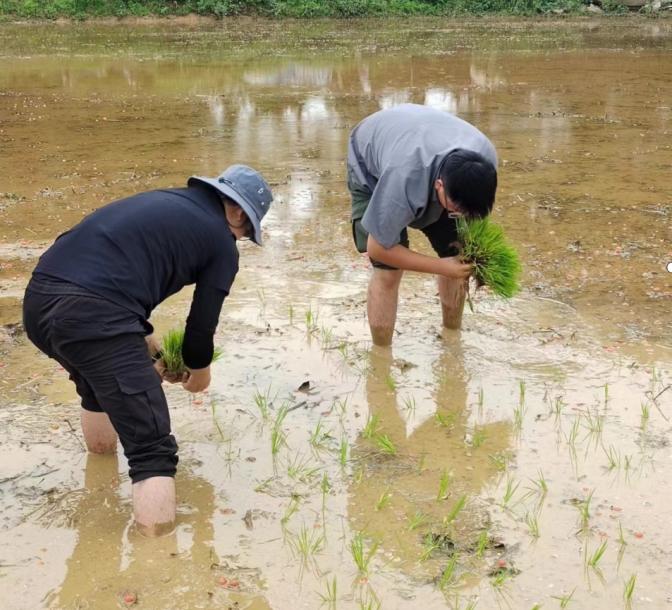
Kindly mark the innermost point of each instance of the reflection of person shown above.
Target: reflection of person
(415, 166)
(429, 442)
(92, 292)
(163, 573)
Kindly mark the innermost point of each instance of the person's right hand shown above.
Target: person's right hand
(453, 267)
(197, 380)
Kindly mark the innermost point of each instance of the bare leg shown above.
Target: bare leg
(382, 304)
(99, 434)
(154, 506)
(452, 294)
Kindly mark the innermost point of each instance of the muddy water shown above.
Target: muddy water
(547, 417)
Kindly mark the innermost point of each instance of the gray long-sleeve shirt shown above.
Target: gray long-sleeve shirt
(395, 154)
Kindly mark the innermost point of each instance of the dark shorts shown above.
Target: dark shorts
(102, 346)
(441, 234)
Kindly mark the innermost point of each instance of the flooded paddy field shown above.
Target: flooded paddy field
(522, 462)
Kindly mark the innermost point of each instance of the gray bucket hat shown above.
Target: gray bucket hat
(247, 188)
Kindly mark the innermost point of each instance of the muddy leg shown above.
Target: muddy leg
(452, 294)
(382, 304)
(99, 434)
(154, 506)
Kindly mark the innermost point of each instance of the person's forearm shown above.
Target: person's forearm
(402, 258)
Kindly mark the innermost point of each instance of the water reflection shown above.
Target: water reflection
(434, 437)
(110, 559)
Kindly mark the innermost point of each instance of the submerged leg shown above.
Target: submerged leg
(382, 300)
(452, 294)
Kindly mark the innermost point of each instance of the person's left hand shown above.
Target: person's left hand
(153, 346)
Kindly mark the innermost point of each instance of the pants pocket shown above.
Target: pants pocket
(145, 409)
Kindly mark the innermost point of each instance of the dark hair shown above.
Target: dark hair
(470, 180)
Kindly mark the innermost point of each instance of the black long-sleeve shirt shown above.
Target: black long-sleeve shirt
(138, 251)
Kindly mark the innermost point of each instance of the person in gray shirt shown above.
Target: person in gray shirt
(419, 167)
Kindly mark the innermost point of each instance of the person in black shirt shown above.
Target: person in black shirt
(90, 297)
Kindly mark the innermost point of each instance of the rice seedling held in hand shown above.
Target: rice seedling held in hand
(171, 353)
(496, 263)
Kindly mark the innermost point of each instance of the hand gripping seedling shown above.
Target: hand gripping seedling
(495, 261)
(171, 353)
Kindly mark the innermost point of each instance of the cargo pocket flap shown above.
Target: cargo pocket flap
(134, 382)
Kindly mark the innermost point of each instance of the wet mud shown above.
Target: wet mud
(478, 469)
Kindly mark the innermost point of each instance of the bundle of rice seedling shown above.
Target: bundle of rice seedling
(171, 352)
(496, 263)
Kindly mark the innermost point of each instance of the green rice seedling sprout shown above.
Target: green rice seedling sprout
(384, 500)
(290, 314)
(444, 484)
(518, 416)
(595, 558)
(291, 509)
(478, 437)
(532, 524)
(385, 444)
(456, 509)
(573, 435)
(445, 420)
(361, 556)
(564, 600)
(326, 337)
(311, 320)
(646, 412)
(325, 488)
(583, 507)
(409, 405)
(330, 597)
(499, 578)
(606, 394)
(343, 450)
(307, 543)
(391, 383)
(263, 401)
(482, 543)
(558, 406)
(629, 589)
(448, 575)
(595, 425)
(416, 521)
(171, 352)
(278, 437)
(509, 491)
(342, 349)
(430, 543)
(539, 486)
(481, 398)
(613, 458)
(499, 460)
(495, 261)
(320, 436)
(371, 427)
(300, 469)
(521, 393)
(213, 410)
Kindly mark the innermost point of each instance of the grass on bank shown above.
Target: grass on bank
(81, 9)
